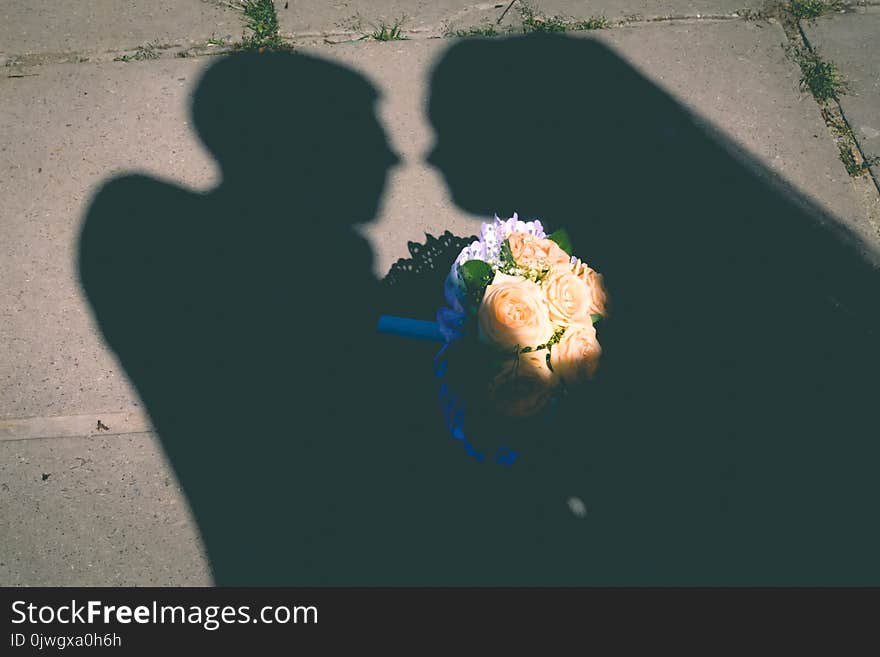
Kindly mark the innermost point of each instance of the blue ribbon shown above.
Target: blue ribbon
(454, 413)
(447, 329)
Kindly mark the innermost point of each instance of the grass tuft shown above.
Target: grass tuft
(809, 9)
(535, 21)
(143, 53)
(592, 23)
(847, 144)
(821, 77)
(854, 168)
(748, 14)
(475, 31)
(216, 41)
(262, 21)
(388, 31)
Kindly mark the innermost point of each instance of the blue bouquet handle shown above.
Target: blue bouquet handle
(416, 329)
(452, 408)
(454, 413)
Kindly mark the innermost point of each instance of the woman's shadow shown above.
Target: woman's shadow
(731, 436)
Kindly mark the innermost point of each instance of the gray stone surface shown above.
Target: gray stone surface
(54, 26)
(852, 41)
(63, 132)
(315, 16)
(94, 512)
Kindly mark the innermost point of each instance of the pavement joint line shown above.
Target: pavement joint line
(17, 62)
(225, 3)
(75, 426)
(866, 184)
(836, 110)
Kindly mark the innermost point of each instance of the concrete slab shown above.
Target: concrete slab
(852, 41)
(44, 26)
(94, 511)
(63, 132)
(423, 16)
(71, 127)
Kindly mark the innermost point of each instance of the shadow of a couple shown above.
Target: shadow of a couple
(730, 438)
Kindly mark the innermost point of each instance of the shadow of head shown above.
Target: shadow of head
(545, 117)
(563, 129)
(292, 125)
(543, 124)
(244, 316)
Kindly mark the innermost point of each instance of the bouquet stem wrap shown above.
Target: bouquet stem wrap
(416, 329)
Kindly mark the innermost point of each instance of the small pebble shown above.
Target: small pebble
(577, 506)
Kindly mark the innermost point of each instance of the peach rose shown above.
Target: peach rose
(524, 385)
(514, 313)
(535, 253)
(575, 358)
(568, 297)
(593, 279)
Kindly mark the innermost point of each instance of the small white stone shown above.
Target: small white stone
(577, 507)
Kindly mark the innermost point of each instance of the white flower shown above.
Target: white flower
(503, 228)
(492, 236)
(488, 249)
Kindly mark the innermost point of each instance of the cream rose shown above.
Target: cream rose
(524, 385)
(514, 313)
(534, 252)
(568, 297)
(594, 280)
(575, 358)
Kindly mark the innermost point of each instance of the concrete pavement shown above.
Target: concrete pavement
(81, 507)
(425, 18)
(66, 26)
(852, 41)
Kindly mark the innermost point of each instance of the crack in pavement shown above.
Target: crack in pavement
(17, 63)
(75, 426)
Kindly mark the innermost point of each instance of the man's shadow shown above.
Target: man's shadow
(731, 436)
(245, 317)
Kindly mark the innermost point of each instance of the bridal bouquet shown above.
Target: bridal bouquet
(519, 333)
(528, 307)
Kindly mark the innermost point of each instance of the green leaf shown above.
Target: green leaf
(595, 318)
(506, 255)
(562, 239)
(476, 275)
